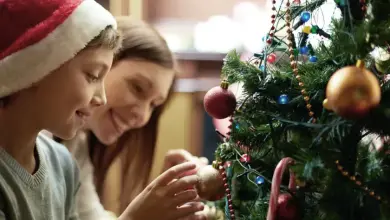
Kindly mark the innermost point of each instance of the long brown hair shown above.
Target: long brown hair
(135, 147)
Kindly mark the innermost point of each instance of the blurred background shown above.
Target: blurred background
(200, 33)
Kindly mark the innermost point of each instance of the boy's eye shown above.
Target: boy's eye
(138, 88)
(92, 78)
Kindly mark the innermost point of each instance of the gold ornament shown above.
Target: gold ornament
(210, 186)
(352, 91)
(325, 103)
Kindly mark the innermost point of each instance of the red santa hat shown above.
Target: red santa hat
(38, 36)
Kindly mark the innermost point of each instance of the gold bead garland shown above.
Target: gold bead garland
(359, 183)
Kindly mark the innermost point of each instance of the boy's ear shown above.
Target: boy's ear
(6, 100)
(3, 102)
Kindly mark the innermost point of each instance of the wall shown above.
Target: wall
(193, 10)
(174, 130)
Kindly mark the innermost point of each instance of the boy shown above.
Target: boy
(54, 55)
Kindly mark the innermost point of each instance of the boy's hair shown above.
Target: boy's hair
(109, 38)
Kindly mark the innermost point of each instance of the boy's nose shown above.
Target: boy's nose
(99, 98)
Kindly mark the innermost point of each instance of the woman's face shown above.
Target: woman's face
(134, 88)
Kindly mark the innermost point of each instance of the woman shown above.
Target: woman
(137, 88)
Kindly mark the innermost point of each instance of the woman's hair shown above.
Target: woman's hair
(135, 147)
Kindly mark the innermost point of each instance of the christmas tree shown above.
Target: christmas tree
(308, 136)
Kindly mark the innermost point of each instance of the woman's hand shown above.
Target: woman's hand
(178, 156)
(169, 197)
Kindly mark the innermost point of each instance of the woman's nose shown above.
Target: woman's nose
(141, 116)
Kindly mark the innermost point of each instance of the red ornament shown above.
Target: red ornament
(271, 58)
(245, 158)
(297, 2)
(219, 102)
(286, 208)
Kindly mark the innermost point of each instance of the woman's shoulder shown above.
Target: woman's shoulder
(78, 147)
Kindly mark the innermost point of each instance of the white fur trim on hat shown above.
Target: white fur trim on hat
(29, 65)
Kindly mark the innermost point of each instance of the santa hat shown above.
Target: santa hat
(38, 36)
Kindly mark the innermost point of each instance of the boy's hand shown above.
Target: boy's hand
(166, 198)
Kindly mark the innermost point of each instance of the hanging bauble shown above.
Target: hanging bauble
(271, 58)
(259, 180)
(314, 29)
(210, 186)
(313, 59)
(304, 50)
(219, 102)
(287, 207)
(352, 92)
(245, 158)
(283, 99)
(305, 16)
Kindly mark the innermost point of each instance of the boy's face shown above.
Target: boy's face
(67, 97)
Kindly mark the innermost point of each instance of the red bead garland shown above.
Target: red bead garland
(227, 190)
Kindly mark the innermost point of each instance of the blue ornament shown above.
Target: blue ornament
(237, 126)
(313, 59)
(264, 38)
(304, 50)
(262, 68)
(305, 16)
(259, 180)
(283, 99)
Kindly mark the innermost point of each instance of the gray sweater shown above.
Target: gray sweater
(48, 194)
